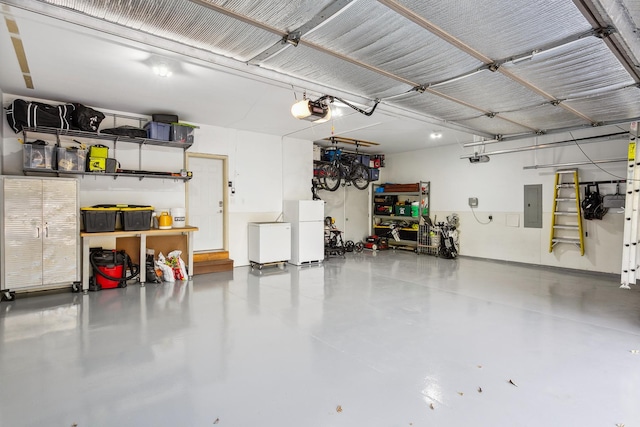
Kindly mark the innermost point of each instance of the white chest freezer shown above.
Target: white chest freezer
(269, 242)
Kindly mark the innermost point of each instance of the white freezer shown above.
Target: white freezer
(269, 242)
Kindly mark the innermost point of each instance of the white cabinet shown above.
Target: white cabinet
(40, 233)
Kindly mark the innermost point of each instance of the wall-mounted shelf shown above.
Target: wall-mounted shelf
(116, 175)
(105, 137)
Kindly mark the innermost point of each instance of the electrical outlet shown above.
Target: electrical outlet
(473, 202)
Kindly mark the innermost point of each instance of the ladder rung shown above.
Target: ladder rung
(566, 199)
(566, 227)
(565, 213)
(566, 171)
(566, 240)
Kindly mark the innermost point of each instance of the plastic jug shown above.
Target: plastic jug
(164, 221)
(178, 217)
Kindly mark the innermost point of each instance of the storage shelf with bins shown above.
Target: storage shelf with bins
(106, 137)
(400, 206)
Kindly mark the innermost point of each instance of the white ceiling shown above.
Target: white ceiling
(106, 62)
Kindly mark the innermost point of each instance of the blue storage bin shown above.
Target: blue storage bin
(364, 159)
(374, 175)
(158, 130)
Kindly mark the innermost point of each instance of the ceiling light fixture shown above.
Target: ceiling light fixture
(436, 135)
(314, 111)
(162, 70)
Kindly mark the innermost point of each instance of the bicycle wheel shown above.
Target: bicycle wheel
(359, 247)
(360, 176)
(331, 177)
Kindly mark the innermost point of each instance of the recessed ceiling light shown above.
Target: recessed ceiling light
(436, 135)
(162, 70)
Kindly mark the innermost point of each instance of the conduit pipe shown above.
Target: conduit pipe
(586, 162)
(603, 138)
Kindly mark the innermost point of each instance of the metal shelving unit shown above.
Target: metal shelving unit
(411, 236)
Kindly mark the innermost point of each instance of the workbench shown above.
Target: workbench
(142, 234)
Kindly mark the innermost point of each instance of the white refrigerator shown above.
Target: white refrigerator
(307, 230)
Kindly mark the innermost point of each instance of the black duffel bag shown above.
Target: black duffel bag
(21, 114)
(86, 118)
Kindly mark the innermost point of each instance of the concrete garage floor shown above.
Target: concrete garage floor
(388, 340)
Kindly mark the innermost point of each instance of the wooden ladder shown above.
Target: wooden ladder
(566, 223)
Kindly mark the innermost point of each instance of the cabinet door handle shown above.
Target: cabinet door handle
(46, 230)
(38, 232)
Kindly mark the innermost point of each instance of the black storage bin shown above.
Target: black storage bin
(165, 118)
(97, 219)
(135, 218)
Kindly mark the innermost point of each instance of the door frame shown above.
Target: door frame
(225, 193)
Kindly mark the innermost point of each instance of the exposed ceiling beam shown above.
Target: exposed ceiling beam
(494, 66)
(292, 38)
(623, 42)
(219, 62)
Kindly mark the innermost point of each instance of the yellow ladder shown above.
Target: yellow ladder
(566, 223)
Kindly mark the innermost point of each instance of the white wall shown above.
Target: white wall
(349, 207)
(263, 169)
(297, 169)
(499, 186)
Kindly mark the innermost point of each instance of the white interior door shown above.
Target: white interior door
(207, 201)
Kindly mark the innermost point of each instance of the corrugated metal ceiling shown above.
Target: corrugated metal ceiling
(495, 68)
